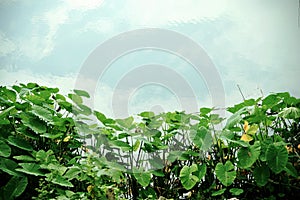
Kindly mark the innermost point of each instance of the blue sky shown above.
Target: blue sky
(253, 43)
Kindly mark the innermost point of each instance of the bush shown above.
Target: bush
(54, 147)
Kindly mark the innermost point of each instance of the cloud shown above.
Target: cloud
(161, 13)
(103, 25)
(7, 46)
(40, 45)
(84, 5)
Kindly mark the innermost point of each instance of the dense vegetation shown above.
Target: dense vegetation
(54, 147)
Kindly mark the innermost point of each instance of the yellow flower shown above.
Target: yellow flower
(89, 188)
(246, 126)
(249, 132)
(66, 139)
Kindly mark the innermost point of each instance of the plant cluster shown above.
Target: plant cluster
(55, 147)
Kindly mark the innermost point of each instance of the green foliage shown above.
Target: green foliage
(225, 173)
(187, 178)
(55, 147)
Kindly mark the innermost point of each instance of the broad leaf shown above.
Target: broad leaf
(261, 175)
(277, 157)
(30, 168)
(136, 145)
(72, 172)
(20, 143)
(187, 178)
(42, 113)
(126, 123)
(290, 169)
(15, 187)
(82, 93)
(9, 166)
(219, 192)
(5, 149)
(60, 180)
(142, 177)
(35, 124)
(236, 191)
(248, 155)
(201, 138)
(201, 171)
(235, 118)
(225, 173)
(147, 115)
(24, 158)
(290, 113)
(75, 98)
(6, 112)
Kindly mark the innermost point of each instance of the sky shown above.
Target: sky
(154, 55)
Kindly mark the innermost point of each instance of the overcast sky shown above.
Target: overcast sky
(252, 43)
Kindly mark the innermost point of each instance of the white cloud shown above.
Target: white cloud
(103, 25)
(160, 13)
(7, 46)
(39, 46)
(84, 4)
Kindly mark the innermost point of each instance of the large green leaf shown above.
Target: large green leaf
(15, 187)
(218, 192)
(9, 166)
(60, 180)
(30, 168)
(236, 191)
(42, 113)
(75, 98)
(290, 113)
(235, 118)
(248, 155)
(187, 178)
(72, 172)
(20, 143)
(201, 138)
(82, 93)
(6, 112)
(290, 169)
(261, 175)
(202, 171)
(147, 114)
(225, 173)
(142, 177)
(126, 123)
(35, 124)
(100, 116)
(5, 149)
(123, 145)
(9, 94)
(24, 158)
(277, 157)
